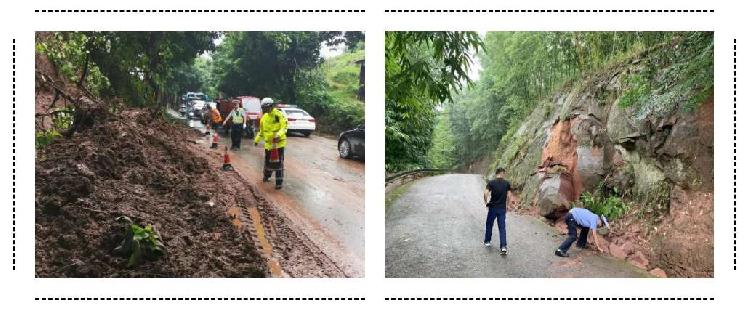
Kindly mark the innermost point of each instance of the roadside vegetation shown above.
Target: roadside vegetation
(154, 69)
(422, 70)
(521, 70)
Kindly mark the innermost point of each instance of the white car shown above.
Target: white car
(198, 106)
(299, 121)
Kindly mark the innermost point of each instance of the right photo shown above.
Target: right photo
(549, 154)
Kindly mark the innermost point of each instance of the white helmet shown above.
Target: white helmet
(266, 101)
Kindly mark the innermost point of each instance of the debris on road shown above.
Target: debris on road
(153, 177)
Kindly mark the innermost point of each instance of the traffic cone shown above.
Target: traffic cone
(227, 161)
(274, 154)
(215, 142)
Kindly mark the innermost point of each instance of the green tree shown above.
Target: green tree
(265, 63)
(422, 70)
(521, 70)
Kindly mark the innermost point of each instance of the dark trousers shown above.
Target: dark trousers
(573, 234)
(236, 135)
(494, 213)
(269, 168)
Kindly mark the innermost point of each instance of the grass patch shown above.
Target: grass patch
(395, 193)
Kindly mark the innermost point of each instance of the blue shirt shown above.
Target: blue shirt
(585, 218)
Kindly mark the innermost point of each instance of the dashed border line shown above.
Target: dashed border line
(734, 150)
(550, 11)
(199, 298)
(199, 11)
(14, 154)
(549, 298)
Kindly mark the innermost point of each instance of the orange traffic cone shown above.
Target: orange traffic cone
(227, 161)
(274, 157)
(215, 142)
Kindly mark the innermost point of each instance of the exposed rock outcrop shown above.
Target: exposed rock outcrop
(659, 158)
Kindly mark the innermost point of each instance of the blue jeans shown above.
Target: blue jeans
(573, 234)
(492, 214)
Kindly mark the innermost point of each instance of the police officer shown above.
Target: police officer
(587, 221)
(272, 130)
(239, 121)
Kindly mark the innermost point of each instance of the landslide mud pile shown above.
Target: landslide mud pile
(133, 165)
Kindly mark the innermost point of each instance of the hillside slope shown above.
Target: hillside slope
(658, 155)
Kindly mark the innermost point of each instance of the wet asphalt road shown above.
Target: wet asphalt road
(323, 194)
(435, 228)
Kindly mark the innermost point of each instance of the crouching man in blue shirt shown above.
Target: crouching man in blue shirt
(586, 220)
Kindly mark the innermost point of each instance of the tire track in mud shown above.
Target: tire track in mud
(279, 240)
(250, 221)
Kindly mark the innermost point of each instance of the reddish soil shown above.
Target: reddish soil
(561, 147)
(135, 165)
(688, 228)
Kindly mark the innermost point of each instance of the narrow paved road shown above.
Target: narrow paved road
(435, 228)
(323, 194)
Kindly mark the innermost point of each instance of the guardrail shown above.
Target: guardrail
(413, 172)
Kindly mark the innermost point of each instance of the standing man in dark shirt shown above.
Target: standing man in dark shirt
(495, 197)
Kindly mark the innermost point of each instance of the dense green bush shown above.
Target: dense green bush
(611, 206)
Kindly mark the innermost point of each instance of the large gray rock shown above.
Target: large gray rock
(648, 177)
(621, 125)
(588, 131)
(590, 166)
(555, 192)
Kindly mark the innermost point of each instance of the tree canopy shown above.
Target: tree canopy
(153, 69)
(521, 69)
(423, 69)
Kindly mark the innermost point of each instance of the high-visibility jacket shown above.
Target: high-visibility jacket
(215, 116)
(238, 116)
(272, 123)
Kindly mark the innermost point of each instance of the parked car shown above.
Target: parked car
(196, 108)
(352, 143)
(298, 121)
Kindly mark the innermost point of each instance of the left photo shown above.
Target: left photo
(199, 154)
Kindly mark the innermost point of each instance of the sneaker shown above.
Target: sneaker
(266, 179)
(561, 253)
(503, 250)
(278, 186)
(487, 244)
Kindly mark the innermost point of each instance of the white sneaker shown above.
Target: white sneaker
(503, 250)
(487, 244)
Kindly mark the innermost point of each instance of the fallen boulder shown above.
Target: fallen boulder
(555, 194)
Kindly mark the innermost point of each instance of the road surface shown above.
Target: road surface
(435, 228)
(323, 194)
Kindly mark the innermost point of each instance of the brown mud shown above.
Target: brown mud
(132, 164)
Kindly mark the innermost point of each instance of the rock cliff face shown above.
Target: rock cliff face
(659, 158)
